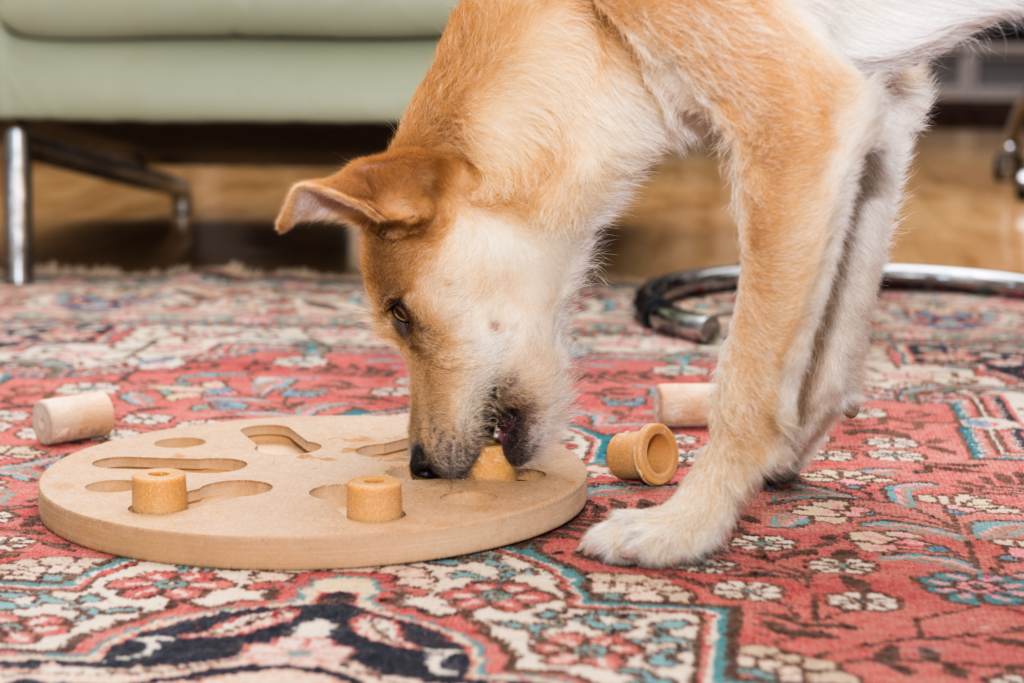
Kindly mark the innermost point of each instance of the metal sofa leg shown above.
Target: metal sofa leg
(115, 168)
(1007, 163)
(20, 149)
(183, 212)
(352, 246)
(18, 205)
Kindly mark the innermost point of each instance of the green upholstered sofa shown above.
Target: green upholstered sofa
(196, 61)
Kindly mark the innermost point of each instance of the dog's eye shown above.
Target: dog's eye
(399, 313)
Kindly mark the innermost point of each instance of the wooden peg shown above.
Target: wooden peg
(374, 498)
(492, 465)
(70, 418)
(159, 491)
(682, 405)
(650, 454)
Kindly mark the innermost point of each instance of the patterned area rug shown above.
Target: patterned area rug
(896, 556)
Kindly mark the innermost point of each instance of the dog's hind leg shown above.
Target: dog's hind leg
(817, 157)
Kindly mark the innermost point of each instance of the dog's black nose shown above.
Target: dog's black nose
(418, 464)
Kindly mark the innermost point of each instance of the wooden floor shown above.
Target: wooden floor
(956, 215)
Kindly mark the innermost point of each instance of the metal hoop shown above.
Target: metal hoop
(654, 299)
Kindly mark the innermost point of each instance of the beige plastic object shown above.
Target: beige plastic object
(376, 498)
(71, 418)
(682, 405)
(492, 465)
(159, 491)
(272, 494)
(650, 454)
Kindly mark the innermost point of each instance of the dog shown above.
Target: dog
(530, 133)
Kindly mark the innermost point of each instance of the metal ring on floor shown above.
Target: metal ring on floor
(655, 298)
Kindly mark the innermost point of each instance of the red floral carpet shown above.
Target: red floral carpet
(897, 556)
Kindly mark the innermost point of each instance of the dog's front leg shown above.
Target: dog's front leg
(818, 153)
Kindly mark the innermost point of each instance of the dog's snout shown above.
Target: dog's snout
(418, 464)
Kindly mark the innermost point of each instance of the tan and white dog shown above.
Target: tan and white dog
(530, 133)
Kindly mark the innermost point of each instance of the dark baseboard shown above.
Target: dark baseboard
(247, 143)
(154, 243)
(972, 115)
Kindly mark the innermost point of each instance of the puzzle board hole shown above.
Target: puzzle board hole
(379, 449)
(224, 490)
(181, 442)
(199, 465)
(110, 486)
(335, 494)
(400, 472)
(277, 440)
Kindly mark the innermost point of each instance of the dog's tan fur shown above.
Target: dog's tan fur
(529, 134)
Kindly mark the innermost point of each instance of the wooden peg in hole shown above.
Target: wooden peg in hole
(650, 454)
(70, 418)
(374, 498)
(492, 465)
(682, 405)
(159, 491)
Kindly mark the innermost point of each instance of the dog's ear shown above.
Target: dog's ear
(395, 189)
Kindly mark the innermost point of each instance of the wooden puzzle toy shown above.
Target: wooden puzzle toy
(682, 405)
(650, 454)
(288, 493)
(70, 418)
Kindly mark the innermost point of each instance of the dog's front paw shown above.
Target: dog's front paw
(655, 538)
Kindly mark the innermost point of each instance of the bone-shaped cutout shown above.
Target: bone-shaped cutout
(378, 449)
(180, 442)
(204, 495)
(223, 490)
(199, 465)
(278, 440)
(110, 486)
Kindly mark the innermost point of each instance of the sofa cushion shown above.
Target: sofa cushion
(93, 19)
(199, 80)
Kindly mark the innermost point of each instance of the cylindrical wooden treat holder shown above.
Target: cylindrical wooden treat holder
(650, 454)
(492, 465)
(682, 405)
(159, 491)
(374, 498)
(71, 418)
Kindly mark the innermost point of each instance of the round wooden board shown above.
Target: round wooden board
(270, 494)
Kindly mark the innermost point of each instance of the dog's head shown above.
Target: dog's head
(472, 297)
